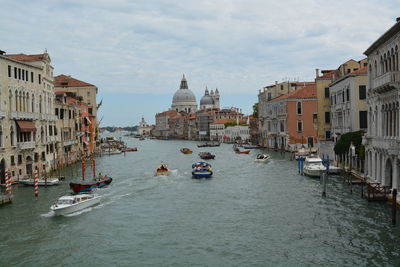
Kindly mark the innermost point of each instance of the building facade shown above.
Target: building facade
(382, 141)
(27, 120)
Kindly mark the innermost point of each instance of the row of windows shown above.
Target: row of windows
(362, 94)
(22, 74)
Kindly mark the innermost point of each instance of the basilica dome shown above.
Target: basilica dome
(184, 99)
(206, 99)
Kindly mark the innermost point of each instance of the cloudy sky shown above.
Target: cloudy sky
(137, 51)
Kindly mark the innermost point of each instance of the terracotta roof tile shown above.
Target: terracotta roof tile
(27, 58)
(327, 74)
(363, 70)
(305, 92)
(67, 81)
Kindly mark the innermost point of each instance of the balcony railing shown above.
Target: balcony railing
(2, 113)
(26, 145)
(24, 115)
(51, 138)
(70, 142)
(48, 117)
(384, 79)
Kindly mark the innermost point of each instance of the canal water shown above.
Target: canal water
(248, 214)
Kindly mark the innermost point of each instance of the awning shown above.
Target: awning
(26, 126)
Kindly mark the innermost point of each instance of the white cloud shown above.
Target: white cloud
(237, 46)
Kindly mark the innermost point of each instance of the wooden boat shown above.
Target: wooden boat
(89, 185)
(186, 151)
(242, 152)
(201, 169)
(69, 204)
(41, 182)
(129, 149)
(206, 155)
(162, 170)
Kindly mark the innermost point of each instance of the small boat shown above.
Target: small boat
(70, 204)
(262, 158)
(141, 138)
(313, 167)
(162, 170)
(201, 169)
(112, 152)
(186, 151)
(209, 144)
(251, 146)
(41, 182)
(129, 149)
(88, 185)
(206, 155)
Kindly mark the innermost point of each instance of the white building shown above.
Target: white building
(27, 120)
(348, 103)
(382, 141)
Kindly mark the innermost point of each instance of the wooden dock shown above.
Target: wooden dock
(6, 199)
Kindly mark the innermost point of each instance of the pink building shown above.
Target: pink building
(292, 119)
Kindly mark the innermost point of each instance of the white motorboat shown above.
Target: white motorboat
(262, 158)
(70, 204)
(313, 167)
(41, 182)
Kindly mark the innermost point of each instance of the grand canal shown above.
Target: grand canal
(248, 214)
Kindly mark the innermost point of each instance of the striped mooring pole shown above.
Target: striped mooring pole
(36, 184)
(8, 182)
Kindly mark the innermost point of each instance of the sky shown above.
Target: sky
(136, 52)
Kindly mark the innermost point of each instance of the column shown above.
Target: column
(373, 171)
(395, 179)
(382, 169)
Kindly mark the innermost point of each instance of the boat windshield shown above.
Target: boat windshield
(64, 201)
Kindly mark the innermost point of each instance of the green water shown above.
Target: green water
(248, 214)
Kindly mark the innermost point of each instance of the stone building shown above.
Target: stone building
(210, 100)
(27, 120)
(382, 141)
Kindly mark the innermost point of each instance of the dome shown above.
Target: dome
(206, 100)
(184, 95)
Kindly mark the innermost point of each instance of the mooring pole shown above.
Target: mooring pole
(394, 207)
(324, 184)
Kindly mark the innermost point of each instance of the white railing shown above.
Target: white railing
(2, 113)
(51, 138)
(388, 77)
(24, 115)
(26, 145)
(69, 142)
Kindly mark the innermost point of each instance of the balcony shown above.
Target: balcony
(2, 114)
(26, 145)
(391, 145)
(50, 139)
(385, 81)
(70, 142)
(24, 115)
(48, 117)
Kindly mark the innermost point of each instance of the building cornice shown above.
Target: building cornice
(385, 37)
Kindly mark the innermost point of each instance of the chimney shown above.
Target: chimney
(316, 73)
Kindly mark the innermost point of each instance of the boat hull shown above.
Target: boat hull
(90, 185)
(65, 210)
(162, 173)
(41, 182)
(313, 172)
(202, 174)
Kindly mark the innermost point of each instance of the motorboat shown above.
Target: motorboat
(313, 167)
(114, 151)
(262, 158)
(206, 155)
(238, 151)
(88, 185)
(129, 149)
(70, 204)
(251, 146)
(162, 170)
(201, 169)
(186, 150)
(41, 182)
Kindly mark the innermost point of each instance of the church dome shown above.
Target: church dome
(184, 94)
(206, 99)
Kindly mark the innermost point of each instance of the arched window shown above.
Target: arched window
(1, 137)
(12, 136)
(16, 100)
(33, 103)
(40, 105)
(41, 135)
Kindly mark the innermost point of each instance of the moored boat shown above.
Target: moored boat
(262, 158)
(206, 155)
(89, 185)
(70, 204)
(162, 170)
(41, 182)
(129, 149)
(313, 167)
(201, 169)
(186, 150)
(251, 146)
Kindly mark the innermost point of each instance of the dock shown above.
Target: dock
(6, 199)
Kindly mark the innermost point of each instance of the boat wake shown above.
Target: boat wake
(48, 214)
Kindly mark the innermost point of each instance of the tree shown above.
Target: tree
(255, 110)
